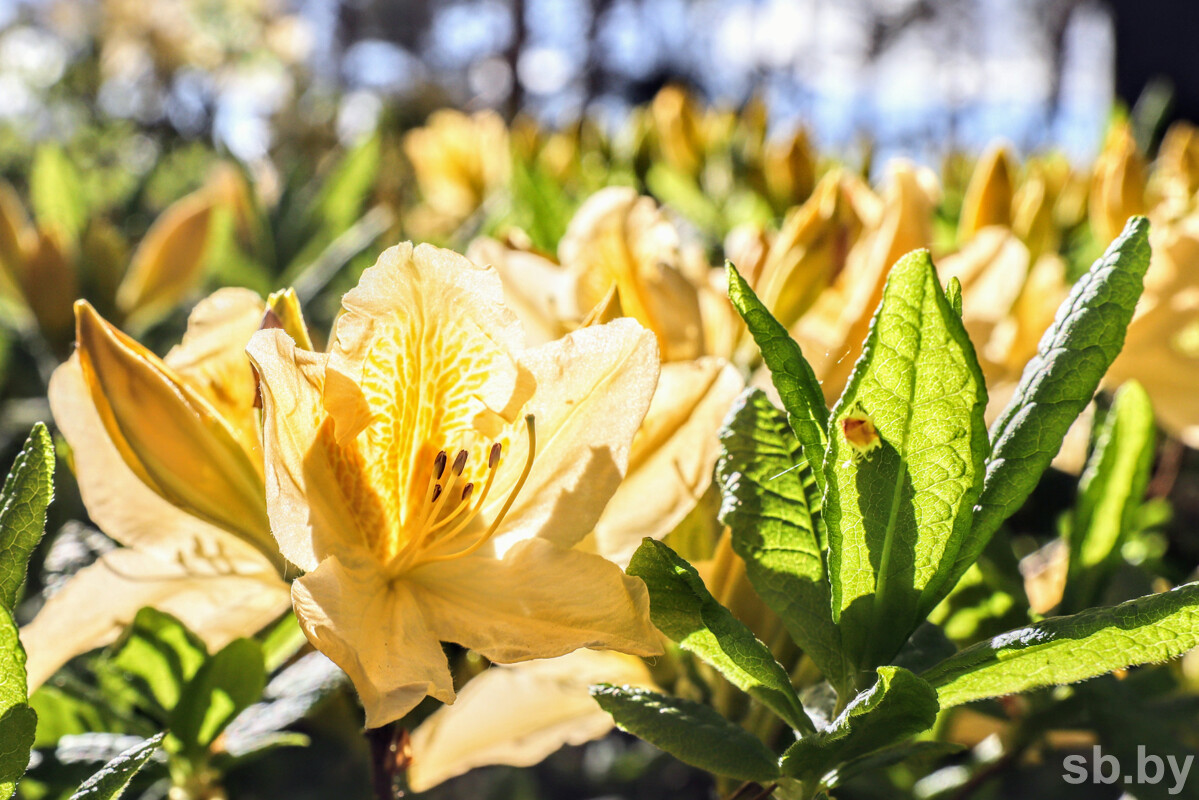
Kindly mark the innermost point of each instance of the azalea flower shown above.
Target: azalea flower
(431, 475)
(458, 160)
(168, 463)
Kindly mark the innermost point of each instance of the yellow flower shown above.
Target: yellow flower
(166, 456)
(459, 160)
(431, 477)
(988, 199)
(1117, 185)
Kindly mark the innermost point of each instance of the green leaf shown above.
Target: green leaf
(1058, 382)
(27, 493)
(953, 293)
(693, 733)
(540, 204)
(282, 642)
(1110, 494)
(345, 192)
(1063, 650)
(224, 686)
(678, 189)
(111, 781)
(18, 722)
(161, 655)
(923, 752)
(771, 505)
(56, 194)
(898, 502)
(61, 713)
(791, 373)
(683, 609)
(897, 706)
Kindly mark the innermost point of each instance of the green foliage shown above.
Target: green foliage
(18, 722)
(1110, 494)
(683, 609)
(792, 375)
(161, 656)
(953, 293)
(27, 493)
(222, 688)
(691, 732)
(1063, 650)
(897, 706)
(111, 781)
(897, 515)
(1058, 382)
(23, 501)
(771, 505)
(56, 194)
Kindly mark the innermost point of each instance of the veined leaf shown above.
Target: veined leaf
(1058, 382)
(683, 609)
(693, 733)
(771, 504)
(899, 705)
(18, 723)
(953, 293)
(224, 686)
(904, 465)
(789, 370)
(1110, 493)
(1068, 649)
(27, 492)
(111, 781)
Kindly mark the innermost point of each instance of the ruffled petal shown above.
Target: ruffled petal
(539, 601)
(593, 389)
(375, 631)
(315, 498)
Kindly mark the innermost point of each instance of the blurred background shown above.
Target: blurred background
(915, 76)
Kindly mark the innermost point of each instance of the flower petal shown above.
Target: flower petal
(117, 500)
(519, 714)
(672, 457)
(312, 489)
(593, 389)
(375, 631)
(217, 599)
(422, 359)
(539, 601)
(168, 434)
(537, 290)
(211, 358)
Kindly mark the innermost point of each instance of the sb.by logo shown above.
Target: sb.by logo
(1105, 768)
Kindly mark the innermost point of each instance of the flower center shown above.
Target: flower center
(451, 505)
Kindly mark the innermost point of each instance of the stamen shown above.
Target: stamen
(499, 518)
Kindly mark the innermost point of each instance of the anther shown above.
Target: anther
(466, 490)
(436, 492)
(493, 458)
(459, 462)
(439, 466)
